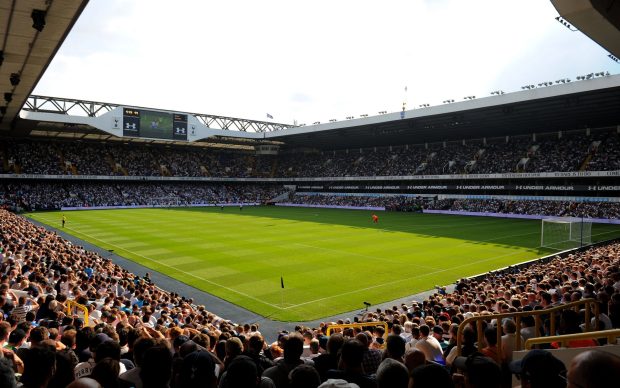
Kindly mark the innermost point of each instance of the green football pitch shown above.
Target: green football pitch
(330, 261)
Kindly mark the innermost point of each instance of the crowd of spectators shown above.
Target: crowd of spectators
(606, 156)
(604, 210)
(502, 156)
(547, 153)
(393, 203)
(54, 195)
(142, 336)
(565, 154)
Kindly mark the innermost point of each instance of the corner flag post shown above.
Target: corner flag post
(282, 287)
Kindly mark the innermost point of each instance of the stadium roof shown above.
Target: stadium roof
(31, 32)
(593, 103)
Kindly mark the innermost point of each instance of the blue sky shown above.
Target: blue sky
(312, 60)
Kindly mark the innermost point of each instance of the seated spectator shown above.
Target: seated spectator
(156, 369)
(569, 324)
(490, 340)
(414, 358)
(106, 372)
(293, 349)
(197, 370)
(593, 369)
(392, 374)
(430, 375)
(372, 357)
(539, 369)
(256, 346)
(478, 371)
(395, 348)
(330, 359)
(242, 373)
(429, 346)
(39, 367)
(132, 377)
(350, 365)
(304, 376)
(7, 376)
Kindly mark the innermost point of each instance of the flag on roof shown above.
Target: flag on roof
(269, 116)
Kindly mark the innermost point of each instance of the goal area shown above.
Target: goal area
(565, 233)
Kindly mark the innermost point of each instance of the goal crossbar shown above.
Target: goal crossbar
(565, 233)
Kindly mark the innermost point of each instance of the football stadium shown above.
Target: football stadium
(467, 243)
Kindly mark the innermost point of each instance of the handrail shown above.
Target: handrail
(71, 304)
(591, 303)
(330, 328)
(610, 335)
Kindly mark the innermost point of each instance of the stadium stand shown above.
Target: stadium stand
(572, 152)
(133, 326)
(130, 316)
(48, 196)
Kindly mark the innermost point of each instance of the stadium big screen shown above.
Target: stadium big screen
(154, 125)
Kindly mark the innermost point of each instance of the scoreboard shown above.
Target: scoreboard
(154, 124)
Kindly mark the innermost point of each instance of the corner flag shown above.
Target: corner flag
(282, 281)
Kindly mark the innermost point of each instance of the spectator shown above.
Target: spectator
(293, 349)
(39, 365)
(242, 373)
(429, 346)
(84, 382)
(350, 365)
(156, 369)
(395, 348)
(330, 359)
(430, 375)
(106, 372)
(304, 376)
(392, 374)
(132, 376)
(490, 350)
(197, 371)
(7, 376)
(479, 371)
(539, 369)
(372, 357)
(255, 348)
(593, 369)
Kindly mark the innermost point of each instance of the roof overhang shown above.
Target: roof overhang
(27, 51)
(597, 19)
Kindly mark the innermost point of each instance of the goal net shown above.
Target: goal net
(565, 233)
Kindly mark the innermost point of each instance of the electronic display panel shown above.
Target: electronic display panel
(179, 126)
(154, 125)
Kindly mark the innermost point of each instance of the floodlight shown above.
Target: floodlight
(14, 78)
(38, 19)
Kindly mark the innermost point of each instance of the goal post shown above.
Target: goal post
(565, 233)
